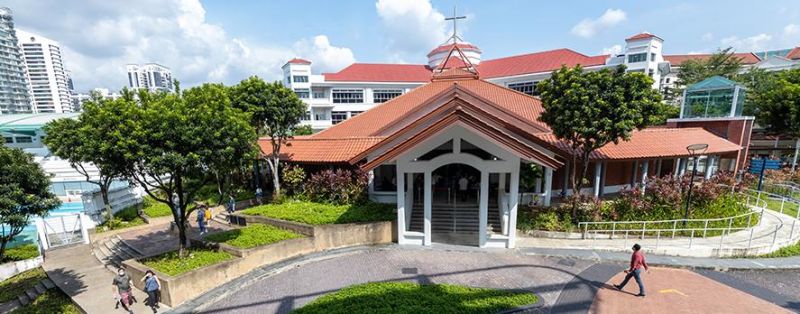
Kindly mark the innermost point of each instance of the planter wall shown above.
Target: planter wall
(184, 287)
(12, 269)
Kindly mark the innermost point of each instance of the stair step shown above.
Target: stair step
(40, 288)
(31, 293)
(48, 284)
(23, 299)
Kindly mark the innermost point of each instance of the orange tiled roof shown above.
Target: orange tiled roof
(643, 35)
(793, 54)
(307, 149)
(676, 60)
(299, 61)
(372, 72)
(656, 143)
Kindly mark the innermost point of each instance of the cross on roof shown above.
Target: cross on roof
(455, 19)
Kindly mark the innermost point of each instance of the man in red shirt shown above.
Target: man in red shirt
(637, 263)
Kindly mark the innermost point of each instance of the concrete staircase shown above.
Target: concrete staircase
(27, 296)
(221, 218)
(112, 251)
(447, 219)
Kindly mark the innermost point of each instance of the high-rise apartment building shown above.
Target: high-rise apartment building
(14, 96)
(47, 78)
(152, 76)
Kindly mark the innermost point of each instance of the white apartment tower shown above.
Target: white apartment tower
(151, 76)
(13, 87)
(47, 79)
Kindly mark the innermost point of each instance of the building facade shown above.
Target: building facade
(14, 97)
(47, 78)
(151, 76)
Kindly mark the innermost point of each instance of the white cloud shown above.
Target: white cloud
(758, 42)
(791, 31)
(587, 28)
(613, 50)
(100, 37)
(707, 37)
(413, 27)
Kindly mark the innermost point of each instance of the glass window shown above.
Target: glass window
(652, 56)
(469, 148)
(650, 72)
(524, 87)
(338, 116)
(355, 113)
(384, 95)
(300, 79)
(348, 96)
(445, 148)
(302, 93)
(321, 116)
(307, 116)
(639, 57)
(8, 140)
(319, 95)
(385, 178)
(708, 103)
(24, 139)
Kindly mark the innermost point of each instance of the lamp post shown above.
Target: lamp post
(694, 151)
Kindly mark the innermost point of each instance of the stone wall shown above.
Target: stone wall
(184, 287)
(12, 269)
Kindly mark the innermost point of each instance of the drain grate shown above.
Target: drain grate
(409, 271)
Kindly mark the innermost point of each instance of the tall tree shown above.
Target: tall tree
(588, 110)
(723, 63)
(778, 106)
(94, 138)
(183, 138)
(24, 192)
(275, 113)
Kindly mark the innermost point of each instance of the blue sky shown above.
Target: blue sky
(226, 41)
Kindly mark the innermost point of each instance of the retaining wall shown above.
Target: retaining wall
(12, 269)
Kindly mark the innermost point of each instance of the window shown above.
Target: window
(652, 56)
(321, 116)
(24, 139)
(666, 80)
(650, 72)
(354, 113)
(445, 148)
(385, 178)
(319, 95)
(384, 95)
(9, 140)
(300, 78)
(307, 116)
(524, 87)
(348, 96)
(469, 148)
(639, 57)
(338, 116)
(302, 93)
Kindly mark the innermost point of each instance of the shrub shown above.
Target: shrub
(171, 264)
(252, 236)
(322, 214)
(20, 253)
(338, 186)
(125, 218)
(293, 179)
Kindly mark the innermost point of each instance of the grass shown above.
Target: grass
(12, 287)
(153, 208)
(171, 264)
(323, 214)
(124, 218)
(20, 253)
(52, 301)
(404, 297)
(789, 208)
(792, 250)
(252, 236)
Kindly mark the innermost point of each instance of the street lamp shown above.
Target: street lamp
(694, 151)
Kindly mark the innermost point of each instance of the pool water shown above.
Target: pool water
(28, 234)
(68, 209)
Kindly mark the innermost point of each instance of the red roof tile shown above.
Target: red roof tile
(676, 60)
(643, 35)
(370, 72)
(794, 54)
(452, 63)
(545, 61)
(656, 143)
(299, 61)
(328, 150)
(447, 47)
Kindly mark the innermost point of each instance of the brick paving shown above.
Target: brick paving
(290, 289)
(781, 287)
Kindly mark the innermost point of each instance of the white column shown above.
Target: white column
(428, 207)
(658, 167)
(598, 172)
(634, 170)
(676, 167)
(401, 207)
(548, 185)
(483, 208)
(564, 186)
(537, 185)
(709, 165)
(409, 197)
(513, 204)
(645, 170)
(501, 190)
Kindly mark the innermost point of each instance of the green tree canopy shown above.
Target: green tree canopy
(97, 137)
(275, 113)
(24, 192)
(723, 63)
(184, 138)
(778, 105)
(588, 110)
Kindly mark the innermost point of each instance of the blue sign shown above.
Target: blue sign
(756, 165)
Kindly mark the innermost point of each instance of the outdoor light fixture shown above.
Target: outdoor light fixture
(694, 151)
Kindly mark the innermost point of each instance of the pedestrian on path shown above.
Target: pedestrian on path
(635, 271)
(259, 195)
(152, 286)
(121, 287)
(201, 218)
(231, 207)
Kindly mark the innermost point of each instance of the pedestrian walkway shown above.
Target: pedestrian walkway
(81, 276)
(773, 232)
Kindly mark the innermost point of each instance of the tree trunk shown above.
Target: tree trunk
(220, 188)
(106, 205)
(796, 150)
(3, 243)
(181, 216)
(276, 183)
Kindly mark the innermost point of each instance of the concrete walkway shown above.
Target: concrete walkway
(81, 276)
(764, 236)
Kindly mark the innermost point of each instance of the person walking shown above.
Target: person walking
(121, 287)
(259, 195)
(152, 286)
(635, 271)
(463, 186)
(201, 218)
(231, 207)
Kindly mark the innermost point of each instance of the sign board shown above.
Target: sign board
(756, 165)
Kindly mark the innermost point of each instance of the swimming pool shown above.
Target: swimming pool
(28, 234)
(68, 209)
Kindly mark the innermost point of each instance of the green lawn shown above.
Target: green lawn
(153, 208)
(792, 250)
(12, 287)
(252, 236)
(124, 218)
(789, 208)
(323, 214)
(52, 301)
(170, 264)
(20, 253)
(404, 297)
